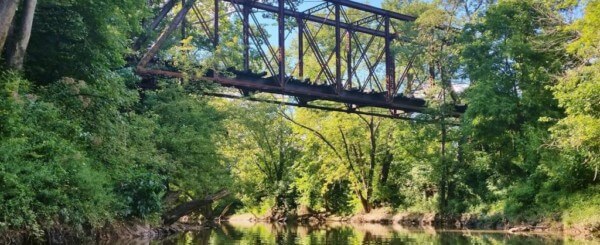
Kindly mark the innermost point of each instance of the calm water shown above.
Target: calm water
(248, 233)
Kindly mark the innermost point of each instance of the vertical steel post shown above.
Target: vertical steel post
(349, 60)
(389, 62)
(300, 47)
(216, 25)
(246, 35)
(338, 58)
(281, 27)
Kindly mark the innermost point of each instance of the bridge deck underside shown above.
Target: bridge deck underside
(306, 92)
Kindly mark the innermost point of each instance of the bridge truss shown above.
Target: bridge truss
(353, 78)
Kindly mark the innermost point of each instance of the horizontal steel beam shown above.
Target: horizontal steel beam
(329, 108)
(310, 92)
(313, 18)
(360, 99)
(317, 107)
(373, 10)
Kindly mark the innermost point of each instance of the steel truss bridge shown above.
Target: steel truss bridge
(352, 80)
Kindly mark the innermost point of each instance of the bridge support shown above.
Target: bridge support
(390, 69)
(338, 54)
(300, 24)
(281, 28)
(368, 92)
(246, 35)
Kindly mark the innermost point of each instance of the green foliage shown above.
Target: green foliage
(141, 193)
(187, 131)
(45, 177)
(261, 148)
(79, 39)
(81, 146)
(578, 92)
(509, 92)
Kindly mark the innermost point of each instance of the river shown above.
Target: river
(338, 233)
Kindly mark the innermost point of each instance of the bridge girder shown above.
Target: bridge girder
(334, 89)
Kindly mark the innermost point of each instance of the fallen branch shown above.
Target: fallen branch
(183, 209)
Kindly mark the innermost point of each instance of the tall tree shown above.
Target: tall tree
(512, 56)
(16, 53)
(578, 92)
(353, 148)
(8, 8)
(261, 148)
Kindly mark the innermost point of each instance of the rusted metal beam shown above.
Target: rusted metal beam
(317, 52)
(163, 12)
(349, 60)
(313, 18)
(316, 8)
(338, 54)
(246, 35)
(280, 83)
(373, 10)
(165, 9)
(202, 22)
(281, 39)
(317, 107)
(300, 23)
(166, 33)
(390, 69)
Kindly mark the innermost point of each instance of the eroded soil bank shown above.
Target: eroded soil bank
(414, 219)
(138, 229)
(118, 230)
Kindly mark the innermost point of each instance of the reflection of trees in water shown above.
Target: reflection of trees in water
(275, 233)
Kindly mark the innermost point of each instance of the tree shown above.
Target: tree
(76, 38)
(432, 64)
(577, 92)
(16, 54)
(187, 130)
(261, 148)
(8, 9)
(512, 56)
(353, 148)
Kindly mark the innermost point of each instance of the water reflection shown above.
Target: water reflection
(338, 233)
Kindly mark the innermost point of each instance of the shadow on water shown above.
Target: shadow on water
(338, 233)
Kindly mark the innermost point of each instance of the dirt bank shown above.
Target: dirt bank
(475, 221)
(416, 219)
(114, 231)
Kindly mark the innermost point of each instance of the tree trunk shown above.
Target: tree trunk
(183, 209)
(225, 210)
(372, 159)
(16, 54)
(385, 167)
(364, 202)
(7, 13)
(444, 171)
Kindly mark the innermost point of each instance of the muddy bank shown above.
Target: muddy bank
(114, 231)
(475, 221)
(415, 219)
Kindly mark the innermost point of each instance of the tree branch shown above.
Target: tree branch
(317, 133)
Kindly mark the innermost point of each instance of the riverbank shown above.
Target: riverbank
(434, 220)
(378, 218)
(114, 231)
